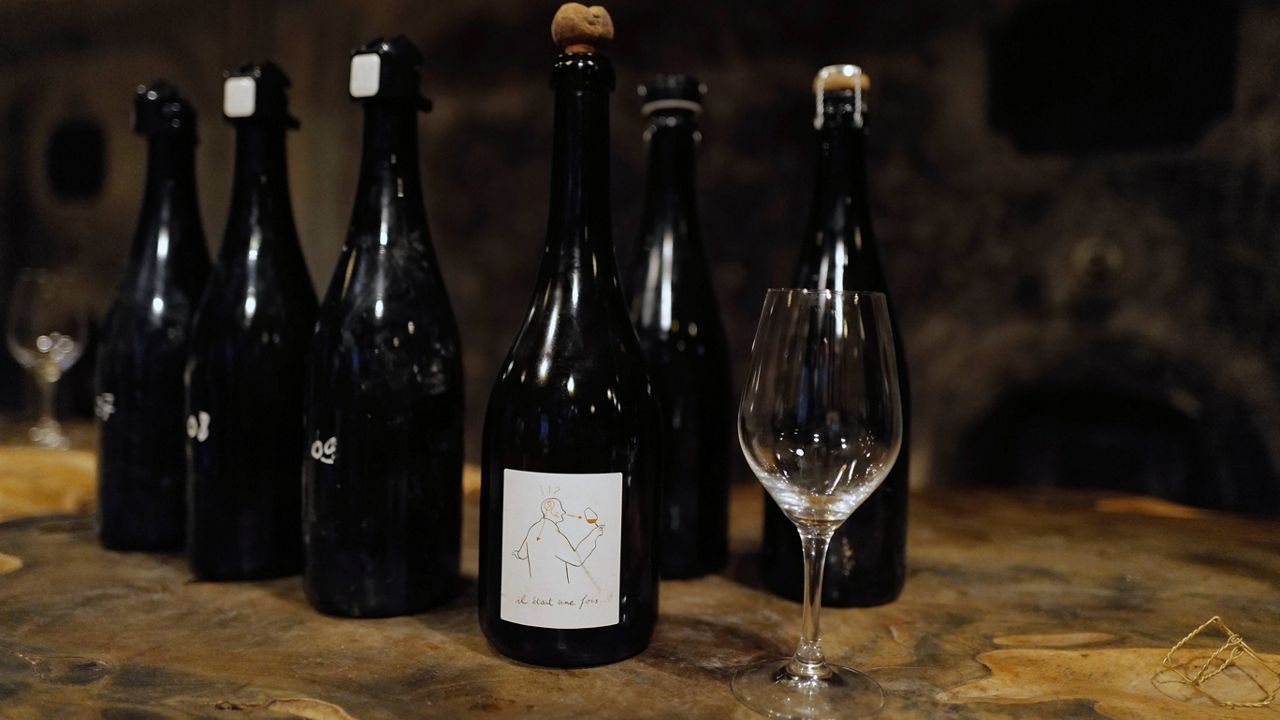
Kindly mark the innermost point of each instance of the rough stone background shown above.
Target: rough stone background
(1104, 314)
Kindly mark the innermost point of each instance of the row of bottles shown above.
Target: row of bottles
(360, 397)
(608, 434)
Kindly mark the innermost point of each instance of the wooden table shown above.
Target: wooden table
(36, 481)
(1054, 606)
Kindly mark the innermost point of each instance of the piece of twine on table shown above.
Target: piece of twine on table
(1225, 657)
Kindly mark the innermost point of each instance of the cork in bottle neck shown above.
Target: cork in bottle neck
(846, 80)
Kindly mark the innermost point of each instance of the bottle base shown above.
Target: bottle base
(223, 574)
(350, 613)
(365, 607)
(141, 545)
(550, 647)
(563, 661)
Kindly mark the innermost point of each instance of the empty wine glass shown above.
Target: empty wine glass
(821, 425)
(47, 325)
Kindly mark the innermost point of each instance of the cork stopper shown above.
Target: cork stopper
(577, 28)
(841, 77)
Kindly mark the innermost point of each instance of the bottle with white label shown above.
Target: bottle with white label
(248, 354)
(572, 438)
(382, 479)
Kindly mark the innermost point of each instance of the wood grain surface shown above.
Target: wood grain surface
(1053, 606)
(34, 481)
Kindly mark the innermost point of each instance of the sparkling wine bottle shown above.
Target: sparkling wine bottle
(866, 563)
(248, 357)
(673, 305)
(382, 481)
(141, 465)
(572, 456)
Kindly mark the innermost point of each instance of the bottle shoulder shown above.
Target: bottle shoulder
(579, 398)
(593, 393)
(144, 336)
(172, 233)
(257, 356)
(236, 306)
(386, 310)
(670, 300)
(367, 273)
(568, 326)
(166, 261)
(675, 237)
(273, 243)
(158, 303)
(383, 353)
(269, 274)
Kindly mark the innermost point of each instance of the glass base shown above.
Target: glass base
(770, 689)
(47, 433)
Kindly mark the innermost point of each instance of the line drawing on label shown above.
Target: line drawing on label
(561, 549)
(546, 544)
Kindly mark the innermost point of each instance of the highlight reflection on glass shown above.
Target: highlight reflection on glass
(820, 424)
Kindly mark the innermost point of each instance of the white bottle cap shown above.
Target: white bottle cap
(239, 97)
(366, 73)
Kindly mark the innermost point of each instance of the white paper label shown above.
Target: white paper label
(561, 549)
(198, 426)
(326, 451)
(104, 406)
(366, 75)
(239, 97)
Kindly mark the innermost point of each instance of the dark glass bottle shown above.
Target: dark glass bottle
(572, 437)
(673, 306)
(382, 485)
(141, 467)
(248, 357)
(866, 563)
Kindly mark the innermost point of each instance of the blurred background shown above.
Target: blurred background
(1078, 201)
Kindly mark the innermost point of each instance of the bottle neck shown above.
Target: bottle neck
(670, 188)
(840, 251)
(260, 188)
(169, 195)
(842, 163)
(389, 194)
(171, 174)
(579, 232)
(670, 248)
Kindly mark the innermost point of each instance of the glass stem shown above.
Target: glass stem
(48, 416)
(809, 661)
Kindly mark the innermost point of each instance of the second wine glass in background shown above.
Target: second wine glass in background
(46, 331)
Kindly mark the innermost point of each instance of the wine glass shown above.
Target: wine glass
(821, 425)
(48, 322)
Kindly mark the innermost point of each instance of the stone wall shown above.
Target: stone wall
(1140, 272)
